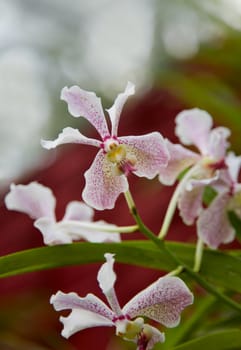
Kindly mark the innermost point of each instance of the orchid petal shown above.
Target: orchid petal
(33, 199)
(190, 204)
(162, 301)
(180, 159)
(150, 152)
(63, 301)
(156, 337)
(102, 236)
(193, 127)
(87, 104)
(106, 278)
(77, 230)
(82, 319)
(234, 163)
(195, 183)
(116, 109)
(106, 275)
(213, 225)
(86, 312)
(70, 135)
(51, 234)
(102, 185)
(76, 210)
(218, 144)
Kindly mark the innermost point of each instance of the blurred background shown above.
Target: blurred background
(179, 54)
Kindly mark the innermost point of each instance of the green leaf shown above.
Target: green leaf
(236, 223)
(209, 195)
(222, 340)
(219, 268)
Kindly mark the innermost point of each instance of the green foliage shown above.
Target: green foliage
(220, 268)
(223, 340)
(236, 223)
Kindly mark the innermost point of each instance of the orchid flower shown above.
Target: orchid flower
(39, 203)
(117, 156)
(213, 225)
(162, 302)
(194, 127)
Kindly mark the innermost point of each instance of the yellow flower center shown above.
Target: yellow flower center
(116, 153)
(129, 329)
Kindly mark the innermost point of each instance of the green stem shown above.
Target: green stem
(194, 275)
(95, 226)
(130, 202)
(173, 203)
(212, 290)
(176, 272)
(198, 255)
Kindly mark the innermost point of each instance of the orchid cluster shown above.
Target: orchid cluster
(211, 165)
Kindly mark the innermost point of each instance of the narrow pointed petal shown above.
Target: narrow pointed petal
(116, 109)
(70, 135)
(190, 204)
(150, 152)
(193, 127)
(50, 232)
(234, 163)
(77, 230)
(63, 301)
(33, 199)
(102, 185)
(217, 146)
(86, 104)
(106, 275)
(213, 225)
(180, 159)
(162, 301)
(76, 210)
(106, 278)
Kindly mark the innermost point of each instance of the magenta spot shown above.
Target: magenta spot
(121, 318)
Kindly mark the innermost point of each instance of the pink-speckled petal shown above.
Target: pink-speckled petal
(116, 109)
(86, 104)
(76, 210)
(150, 152)
(102, 185)
(52, 235)
(190, 204)
(217, 146)
(213, 225)
(162, 301)
(70, 135)
(33, 199)
(180, 159)
(86, 312)
(193, 127)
